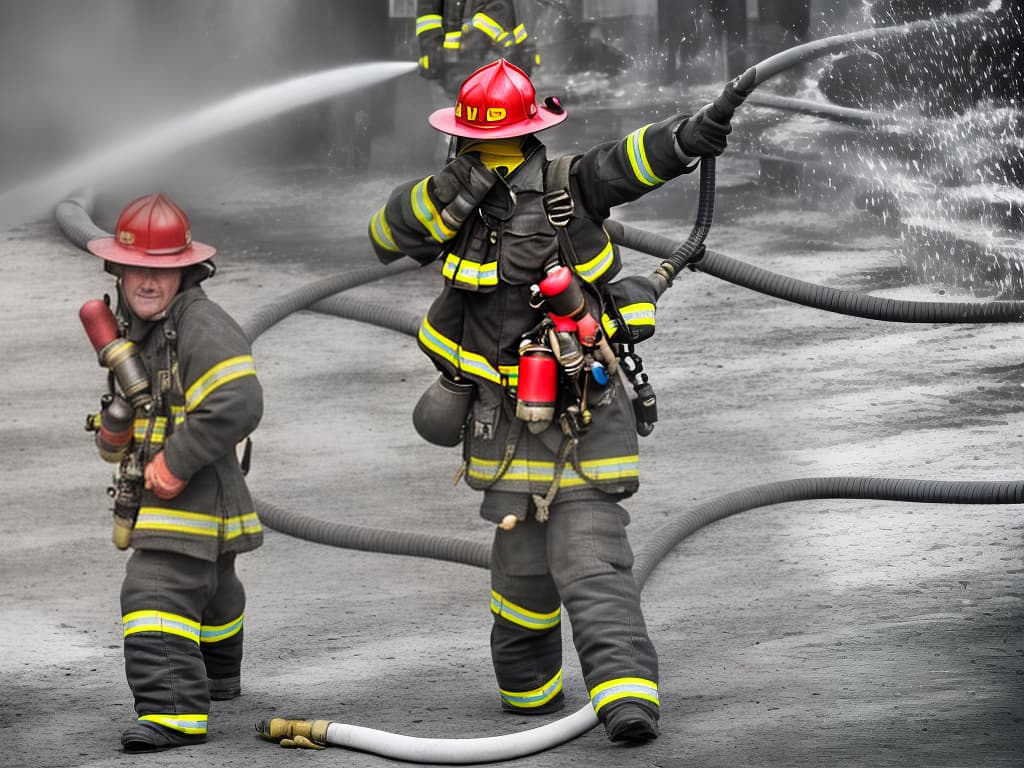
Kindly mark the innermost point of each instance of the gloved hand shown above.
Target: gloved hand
(160, 480)
(700, 136)
(461, 186)
(429, 67)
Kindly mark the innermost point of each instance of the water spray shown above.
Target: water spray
(36, 198)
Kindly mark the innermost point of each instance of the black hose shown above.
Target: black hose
(368, 539)
(815, 49)
(678, 528)
(74, 218)
(817, 296)
(382, 315)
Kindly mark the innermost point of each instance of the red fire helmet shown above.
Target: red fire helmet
(497, 101)
(152, 232)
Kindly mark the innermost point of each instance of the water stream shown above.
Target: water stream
(35, 198)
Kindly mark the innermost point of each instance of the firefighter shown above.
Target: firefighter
(532, 336)
(455, 37)
(182, 602)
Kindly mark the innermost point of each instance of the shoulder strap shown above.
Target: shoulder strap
(558, 203)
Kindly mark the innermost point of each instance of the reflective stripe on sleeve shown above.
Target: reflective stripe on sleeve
(637, 154)
(219, 375)
(427, 214)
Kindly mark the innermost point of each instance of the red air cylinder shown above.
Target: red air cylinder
(538, 386)
(118, 354)
(563, 293)
(99, 322)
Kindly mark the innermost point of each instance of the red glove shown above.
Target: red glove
(160, 480)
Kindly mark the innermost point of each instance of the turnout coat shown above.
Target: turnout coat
(474, 327)
(207, 399)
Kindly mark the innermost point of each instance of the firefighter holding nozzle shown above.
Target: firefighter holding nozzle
(534, 339)
(182, 394)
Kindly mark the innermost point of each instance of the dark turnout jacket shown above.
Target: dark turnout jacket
(474, 328)
(208, 399)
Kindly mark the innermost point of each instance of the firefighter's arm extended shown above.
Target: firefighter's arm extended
(420, 216)
(621, 171)
(223, 397)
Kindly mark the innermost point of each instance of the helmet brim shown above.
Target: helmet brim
(109, 249)
(444, 120)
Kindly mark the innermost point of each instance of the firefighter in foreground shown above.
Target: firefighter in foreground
(182, 393)
(534, 340)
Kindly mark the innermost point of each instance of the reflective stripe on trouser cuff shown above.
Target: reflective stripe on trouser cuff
(538, 697)
(624, 688)
(160, 621)
(214, 634)
(523, 616)
(183, 723)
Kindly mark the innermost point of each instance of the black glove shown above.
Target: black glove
(700, 136)
(461, 186)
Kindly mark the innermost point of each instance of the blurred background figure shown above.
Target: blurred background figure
(457, 37)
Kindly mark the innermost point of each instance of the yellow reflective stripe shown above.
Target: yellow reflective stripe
(216, 633)
(506, 609)
(453, 40)
(641, 313)
(427, 214)
(160, 621)
(526, 471)
(461, 270)
(520, 33)
(509, 375)
(156, 436)
(177, 521)
(461, 359)
(624, 688)
(183, 723)
(489, 27)
(597, 266)
(380, 230)
(538, 697)
(241, 525)
(428, 22)
(637, 154)
(219, 375)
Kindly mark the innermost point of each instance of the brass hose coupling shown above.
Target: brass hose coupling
(304, 734)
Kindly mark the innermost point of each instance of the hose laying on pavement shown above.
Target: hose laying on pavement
(818, 296)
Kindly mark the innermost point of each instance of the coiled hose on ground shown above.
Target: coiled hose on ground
(76, 223)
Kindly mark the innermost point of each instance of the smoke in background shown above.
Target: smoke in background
(81, 74)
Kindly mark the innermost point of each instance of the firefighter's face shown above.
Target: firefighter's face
(149, 291)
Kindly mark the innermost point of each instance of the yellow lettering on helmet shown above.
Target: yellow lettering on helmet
(458, 109)
(496, 114)
(472, 113)
(125, 237)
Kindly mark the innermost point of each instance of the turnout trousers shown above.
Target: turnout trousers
(579, 558)
(182, 620)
